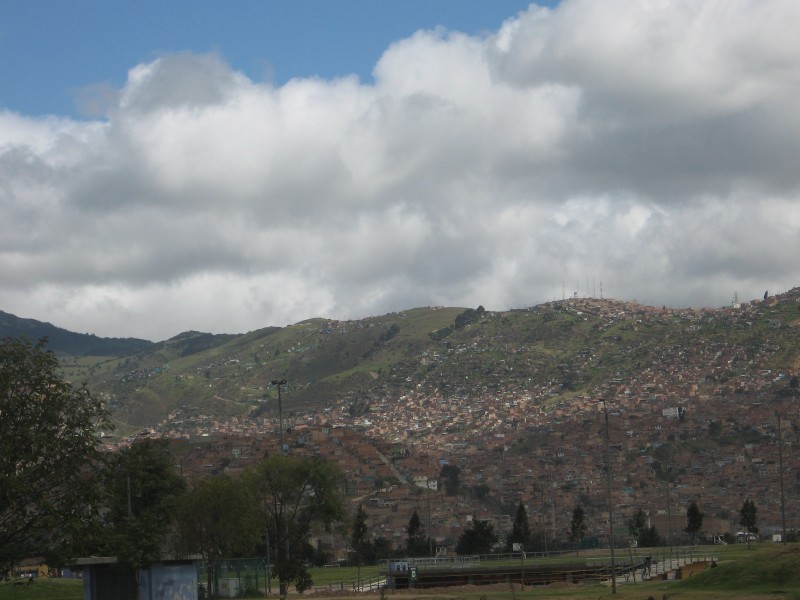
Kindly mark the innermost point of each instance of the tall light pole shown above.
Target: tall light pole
(780, 466)
(544, 522)
(669, 507)
(180, 460)
(279, 383)
(610, 503)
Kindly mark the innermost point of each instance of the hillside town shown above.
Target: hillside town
(698, 423)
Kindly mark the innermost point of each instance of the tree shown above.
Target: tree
(480, 491)
(748, 517)
(217, 518)
(637, 524)
(417, 543)
(49, 434)
(292, 494)
(450, 476)
(358, 537)
(382, 548)
(694, 520)
(649, 537)
(480, 538)
(520, 531)
(577, 527)
(141, 493)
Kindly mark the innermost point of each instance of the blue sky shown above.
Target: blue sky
(214, 166)
(50, 48)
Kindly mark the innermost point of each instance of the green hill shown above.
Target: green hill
(774, 572)
(553, 351)
(66, 342)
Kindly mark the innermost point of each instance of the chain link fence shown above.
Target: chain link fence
(235, 578)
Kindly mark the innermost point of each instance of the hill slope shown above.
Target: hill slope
(63, 341)
(552, 352)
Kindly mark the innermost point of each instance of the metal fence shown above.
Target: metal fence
(234, 577)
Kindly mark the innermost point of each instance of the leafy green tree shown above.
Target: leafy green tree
(417, 543)
(649, 537)
(49, 433)
(358, 537)
(292, 494)
(481, 491)
(637, 524)
(382, 548)
(520, 531)
(577, 527)
(694, 520)
(748, 518)
(142, 493)
(480, 538)
(450, 477)
(217, 518)
(646, 537)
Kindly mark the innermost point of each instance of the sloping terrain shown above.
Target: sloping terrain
(552, 351)
(66, 342)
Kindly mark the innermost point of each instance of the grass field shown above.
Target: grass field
(765, 571)
(42, 588)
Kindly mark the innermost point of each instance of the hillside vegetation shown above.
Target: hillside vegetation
(65, 342)
(553, 351)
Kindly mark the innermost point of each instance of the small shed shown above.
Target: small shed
(168, 579)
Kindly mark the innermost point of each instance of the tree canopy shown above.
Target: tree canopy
(480, 538)
(142, 492)
(646, 537)
(637, 523)
(748, 517)
(417, 543)
(577, 527)
(217, 518)
(358, 537)
(49, 434)
(694, 520)
(292, 493)
(520, 531)
(450, 475)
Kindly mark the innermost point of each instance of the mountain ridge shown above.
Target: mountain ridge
(63, 341)
(569, 347)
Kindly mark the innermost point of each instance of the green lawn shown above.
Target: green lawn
(42, 588)
(764, 571)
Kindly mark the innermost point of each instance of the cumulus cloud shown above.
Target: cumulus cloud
(644, 146)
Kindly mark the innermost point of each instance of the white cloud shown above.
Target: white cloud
(646, 145)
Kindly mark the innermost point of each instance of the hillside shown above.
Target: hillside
(64, 342)
(510, 398)
(551, 352)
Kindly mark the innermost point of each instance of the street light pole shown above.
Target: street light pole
(279, 383)
(610, 503)
(669, 509)
(780, 466)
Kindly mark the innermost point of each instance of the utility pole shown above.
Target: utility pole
(279, 383)
(780, 466)
(669, 503)
(430, 533)
(268, 570)
(610, 503)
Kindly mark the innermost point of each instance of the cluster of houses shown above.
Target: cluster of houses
(697, 422)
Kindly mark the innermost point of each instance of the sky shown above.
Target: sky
(168, 166)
